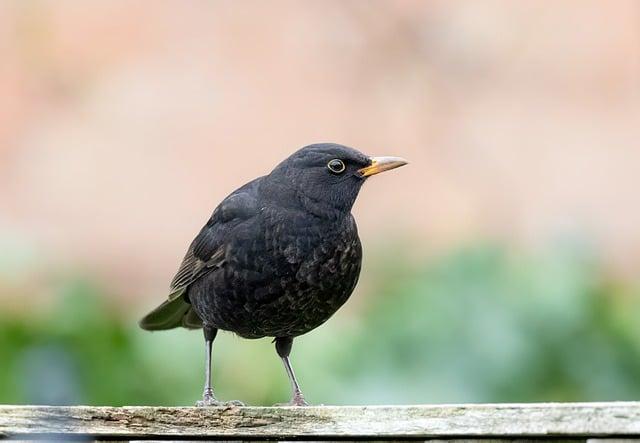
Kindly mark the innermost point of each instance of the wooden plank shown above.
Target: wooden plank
(561, 420)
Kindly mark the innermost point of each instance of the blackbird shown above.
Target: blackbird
(278, 256)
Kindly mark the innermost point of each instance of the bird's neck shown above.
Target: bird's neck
(322, 208)
(284, 195)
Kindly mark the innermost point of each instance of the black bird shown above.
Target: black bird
(278, 256)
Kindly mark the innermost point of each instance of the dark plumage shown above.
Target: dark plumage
(278, 256)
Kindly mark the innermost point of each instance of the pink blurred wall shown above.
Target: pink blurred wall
(122, 124)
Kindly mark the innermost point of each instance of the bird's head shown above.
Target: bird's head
(329, 175)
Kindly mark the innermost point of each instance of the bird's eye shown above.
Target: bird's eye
(336, 165)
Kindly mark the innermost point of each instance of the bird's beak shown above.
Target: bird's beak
(381, 164)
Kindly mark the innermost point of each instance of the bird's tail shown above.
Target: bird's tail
(173, 313)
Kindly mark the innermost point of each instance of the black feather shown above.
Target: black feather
(278, 256)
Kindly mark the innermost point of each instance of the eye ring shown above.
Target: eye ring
(336, 166)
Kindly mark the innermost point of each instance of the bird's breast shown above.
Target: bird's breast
(284, 276)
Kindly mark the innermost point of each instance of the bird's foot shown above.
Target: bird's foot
(212, 402)
(209, 400)
(297, 400)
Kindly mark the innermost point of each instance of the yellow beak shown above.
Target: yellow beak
(381, 164)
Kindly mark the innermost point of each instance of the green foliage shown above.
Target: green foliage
(480, 324)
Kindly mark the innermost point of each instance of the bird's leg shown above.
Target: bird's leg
(208, 398)
(283, 347)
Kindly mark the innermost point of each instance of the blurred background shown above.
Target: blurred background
(501, 265)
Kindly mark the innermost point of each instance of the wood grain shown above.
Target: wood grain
(560, 420)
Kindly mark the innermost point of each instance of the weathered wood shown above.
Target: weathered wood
(489, 421)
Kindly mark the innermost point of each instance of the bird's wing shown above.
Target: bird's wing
(206, 252)
(193, 267)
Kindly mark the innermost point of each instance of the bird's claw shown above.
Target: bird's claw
(212, 402)
(297, 400)
(207, 403)
(209, 400)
